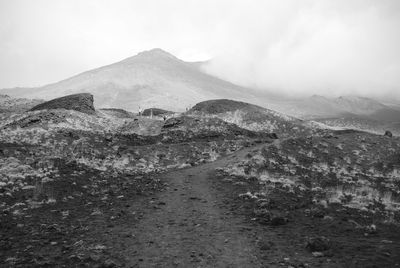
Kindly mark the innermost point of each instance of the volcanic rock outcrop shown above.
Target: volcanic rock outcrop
(82, 102)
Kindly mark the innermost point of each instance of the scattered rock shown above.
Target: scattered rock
(318, 244)
(265, 245)
(278, 220)
(318, 254)
(172, 122)
(273, 136)
(371, 229)
(262, 213)
(317, 213)
(94, 257)
(109, 264)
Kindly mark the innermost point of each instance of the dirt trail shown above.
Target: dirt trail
(187, 226)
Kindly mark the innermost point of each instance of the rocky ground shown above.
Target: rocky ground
(111, 189)
(312, 214)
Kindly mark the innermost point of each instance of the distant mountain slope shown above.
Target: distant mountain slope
(152, 78)
(362, 123)
(317, 107)
(347, 112)
(9, 104)
(358, 105)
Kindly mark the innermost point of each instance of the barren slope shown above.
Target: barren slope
(152, 78)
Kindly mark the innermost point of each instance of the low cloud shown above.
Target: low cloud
(316, 47)
(290, 47)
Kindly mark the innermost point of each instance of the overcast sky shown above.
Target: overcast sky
(293, 47)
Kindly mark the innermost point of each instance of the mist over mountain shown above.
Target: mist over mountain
(158, 79)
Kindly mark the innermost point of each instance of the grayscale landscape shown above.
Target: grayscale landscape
(265, 152)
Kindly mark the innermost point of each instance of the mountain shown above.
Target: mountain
(358, 105)
(152, 78)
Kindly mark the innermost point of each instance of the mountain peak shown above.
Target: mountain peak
(152, 55)
(155, 52)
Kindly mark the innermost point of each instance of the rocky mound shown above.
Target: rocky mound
(251, 117)
(220, 106)
(156, 112)
(79, 102)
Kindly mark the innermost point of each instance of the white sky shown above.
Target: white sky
(290, 46)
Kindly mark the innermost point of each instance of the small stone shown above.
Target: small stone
(262, 213)
(276, 221)
(318, 254)
(387, 254)
(96, 212)
(109, 264)
(318, 244)
(264, 245)
(371, 229)
(94, 257)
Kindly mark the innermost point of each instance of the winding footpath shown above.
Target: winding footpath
(188, 227)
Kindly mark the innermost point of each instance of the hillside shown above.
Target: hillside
(317, 106)
(152, 78)
(88, 189)
(251, 117)
(349, 112)
(362, 123)
(15, 105)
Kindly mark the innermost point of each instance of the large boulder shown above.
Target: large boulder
(388, 134)
(82, 102)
